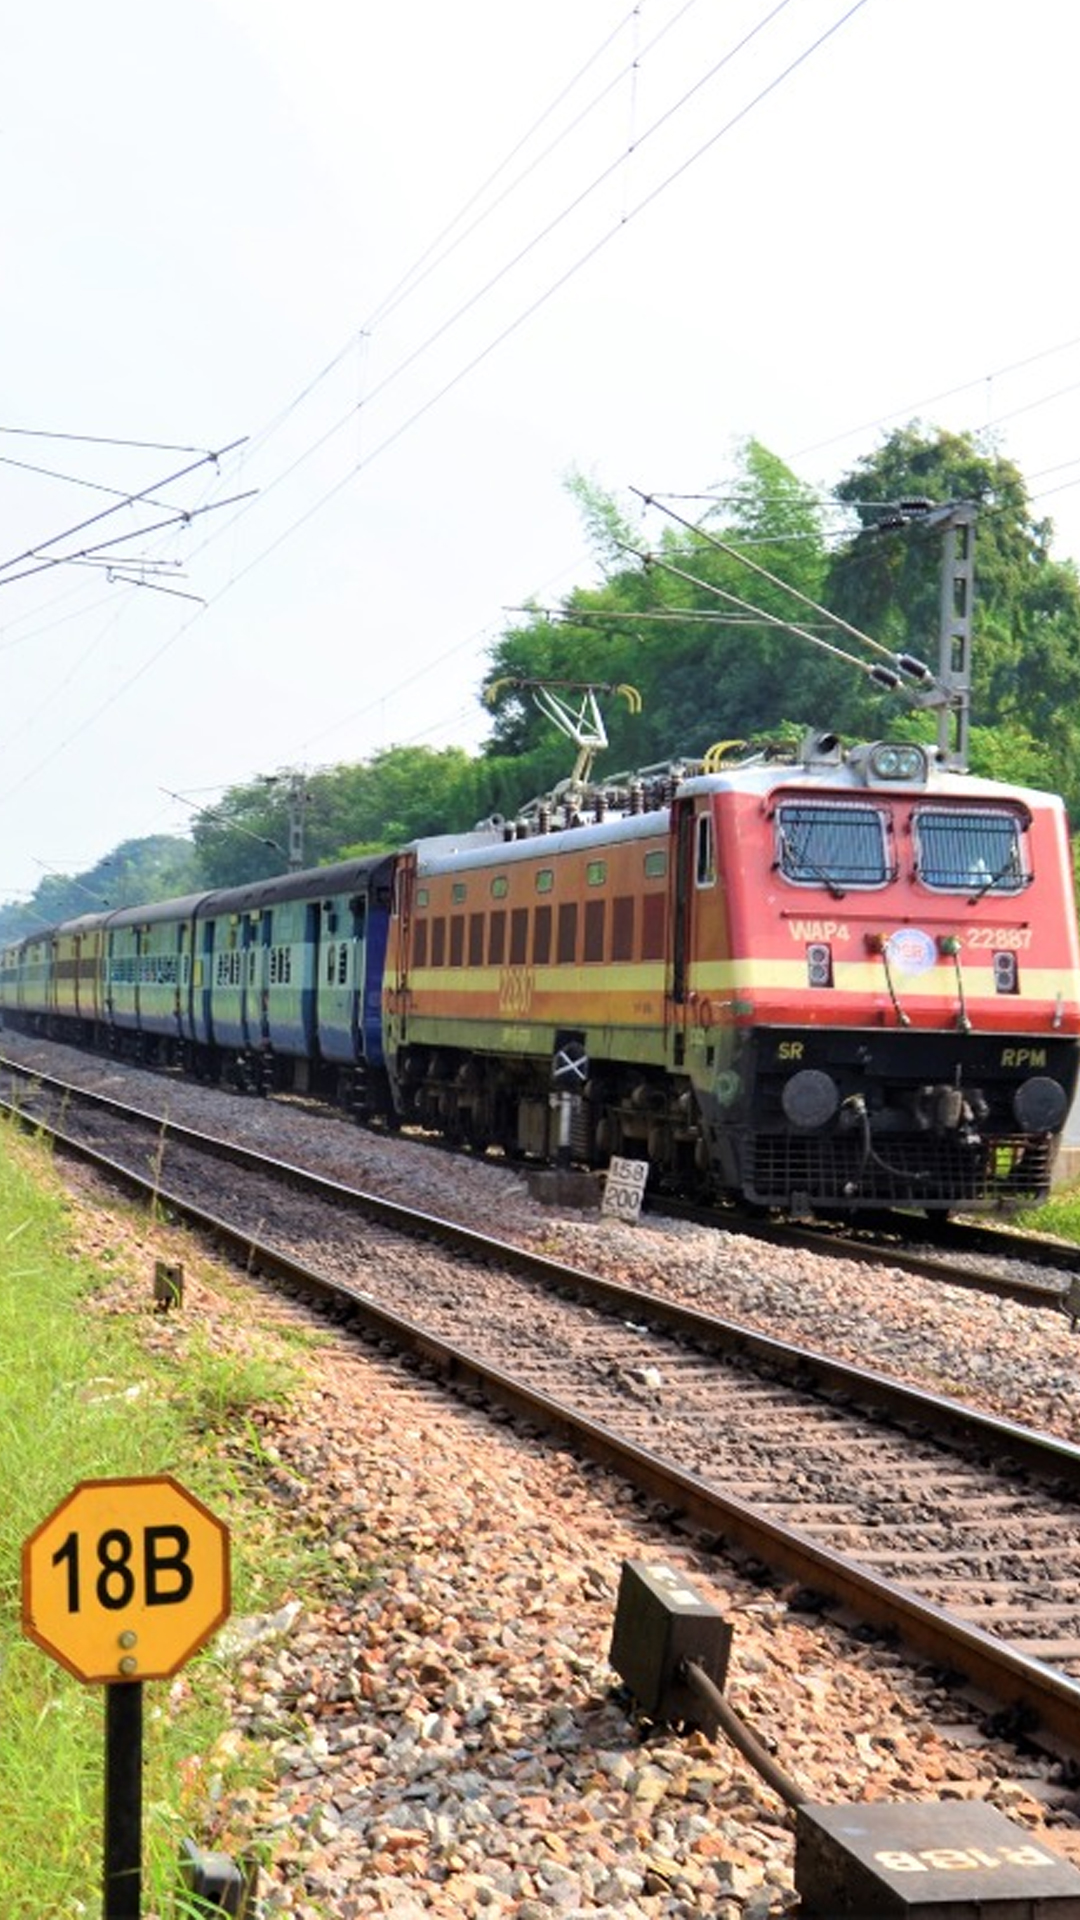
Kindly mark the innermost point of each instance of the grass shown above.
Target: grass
(94, 1385)
(1060, 1215)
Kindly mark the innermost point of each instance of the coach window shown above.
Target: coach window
(519, 936)
(653, 926)
(500, 887)
(656, 863)
(566, 952)
(596, 873)
(458, 893)
(541, 936)
(705, 868)
(545, 879)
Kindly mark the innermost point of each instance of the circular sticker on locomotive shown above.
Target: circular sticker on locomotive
(910, 950)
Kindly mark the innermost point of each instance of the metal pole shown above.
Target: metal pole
(955, 637)
(123, 1800)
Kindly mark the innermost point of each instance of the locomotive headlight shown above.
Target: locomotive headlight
(810, 1099)
(1040, 1105)
(896, 760)
(819, 967)
(1006, 972)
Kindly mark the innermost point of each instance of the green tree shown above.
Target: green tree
(156, 868)
(698, 624)
(338, 812)
(886, 579)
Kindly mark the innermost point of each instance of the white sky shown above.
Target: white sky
(655, 242)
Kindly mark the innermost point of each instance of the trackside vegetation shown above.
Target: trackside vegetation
(689, 604)
(95, 1384)
(1060, 1215)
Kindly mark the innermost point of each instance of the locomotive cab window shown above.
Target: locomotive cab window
(705, 863)
(833, 844)
(969, 850)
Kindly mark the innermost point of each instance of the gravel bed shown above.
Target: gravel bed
(1013, 1360)
(447, 1735)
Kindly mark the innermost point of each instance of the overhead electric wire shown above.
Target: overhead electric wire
(98, 440)
(425, 265)
(724, 546)
(348, 419)
(650, 559)
(469, 366)
(586, 192)
(70, 479)
(413, 275)
(184, 517)
(127, 500)
(947, 393)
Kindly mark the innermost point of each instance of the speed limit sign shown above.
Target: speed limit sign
(126, 1579)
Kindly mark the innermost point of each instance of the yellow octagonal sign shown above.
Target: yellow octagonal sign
(126, 1579)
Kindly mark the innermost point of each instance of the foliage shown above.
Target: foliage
(157, 868)
(675, 620)
(1026, 606)
(337, 813)
(699, 620)
(702, 635)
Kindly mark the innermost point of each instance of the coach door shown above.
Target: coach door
(397, 968)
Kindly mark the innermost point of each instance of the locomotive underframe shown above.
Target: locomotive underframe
(922, 1118)
(514, 1102)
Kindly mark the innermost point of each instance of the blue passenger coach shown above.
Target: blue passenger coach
(274, 985)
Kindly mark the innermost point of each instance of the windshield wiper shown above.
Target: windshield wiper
(992, 879)
(799, 860)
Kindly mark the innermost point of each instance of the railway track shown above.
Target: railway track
(923, 1518)
(1035, 1270)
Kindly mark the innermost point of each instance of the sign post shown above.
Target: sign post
(123, 1801)
(624, 1189)
(122, 1583)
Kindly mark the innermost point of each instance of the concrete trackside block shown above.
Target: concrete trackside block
(564, 1187)
(660, 1623)
(939, 1860)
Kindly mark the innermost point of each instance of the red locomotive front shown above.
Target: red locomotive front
(895, 978)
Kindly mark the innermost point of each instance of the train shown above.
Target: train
(813, 977)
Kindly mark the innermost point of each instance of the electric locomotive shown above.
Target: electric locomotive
(819, 979)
